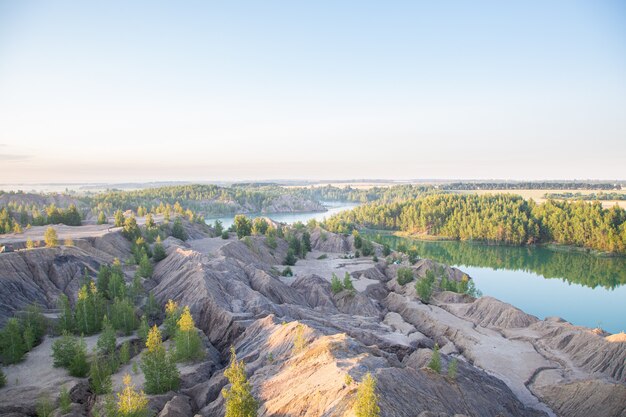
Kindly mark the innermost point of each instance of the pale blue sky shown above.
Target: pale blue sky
(198, 90)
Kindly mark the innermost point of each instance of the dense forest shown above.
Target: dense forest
(13, 218)
(360, 195)
(582, 268)
(587, 197)
(532, 185)
(37, 209)
(499, 218)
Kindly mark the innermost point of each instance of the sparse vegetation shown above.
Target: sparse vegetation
(424, 286)
(130, 402)
(158, 365)
(335, 284)
(452, 368)
(65, 403)
(299, 342)
(405, 275)
(188, 343)
(435, 360)
(367, 400)
(239, 399)
(50, 237)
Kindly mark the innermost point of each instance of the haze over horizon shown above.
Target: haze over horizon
(118, 92)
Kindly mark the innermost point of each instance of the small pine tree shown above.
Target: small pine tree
(453, 368)
(290, 259)
(50, 237)
(347, 282)
(145, 267)
(131, 403)
(172, 315)
(125, 353)
(239, 399)
(158, 252)
(435, 360)
(106, 341)
(188, 343)
(3, 378)
(424, 287)
(79, 367)
(144, 329)
(12, 346)
(102, 218)
(152, 307)
(404, 275)
(100, 375)
(119, 218)
(65, 402)
(158, 365)
(66, 318)
(178, 231)
(299, 342)
(44, 407)
(123, 316)
(63, 350)
(367, 400)
(335, 285)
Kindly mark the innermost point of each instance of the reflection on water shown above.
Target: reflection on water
(584, 289)
(289, 218)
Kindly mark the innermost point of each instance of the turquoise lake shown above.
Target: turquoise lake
(581, 288)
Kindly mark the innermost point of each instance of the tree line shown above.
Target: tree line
(498, 218)
(575, 268)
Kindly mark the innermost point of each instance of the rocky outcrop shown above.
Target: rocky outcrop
(584, 348)
(40, 275)
(322, 378)
(179, 406)
(324, 241)
(585, 398)
(489, 312)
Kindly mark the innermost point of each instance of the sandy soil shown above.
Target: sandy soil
(208, 245)
(36, 233)
(538, 195)
(326, 267)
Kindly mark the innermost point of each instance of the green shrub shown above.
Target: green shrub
(100, 376)
(65, 402)
(405, 275)
(290, 259)
(347, 282)
(335, 284)
(12, 346)
(158, 252)
(106, 341)
(452, 368)
(287, 272)
(123, 316)
(187, 340)
(44, 406)
(225, 234)
(125, 353)
(424, 286)
(79, 367)
(435, 360)
(63, 350)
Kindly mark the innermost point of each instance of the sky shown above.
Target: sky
(202, 90)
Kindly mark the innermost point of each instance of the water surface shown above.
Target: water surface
(333, 207)
(582, 288)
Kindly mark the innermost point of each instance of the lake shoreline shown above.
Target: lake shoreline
(548, 245)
